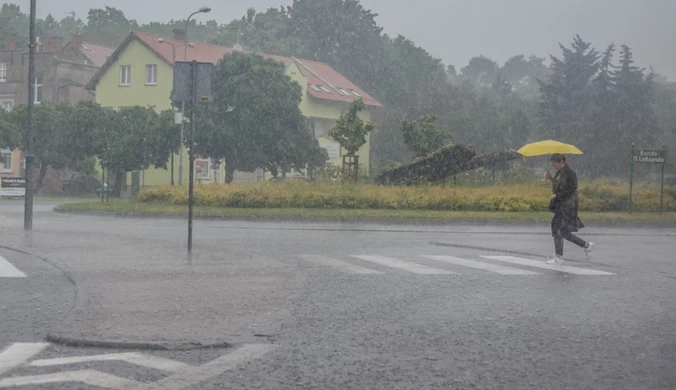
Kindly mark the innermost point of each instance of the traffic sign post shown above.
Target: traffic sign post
(648, 156)
(192, 84)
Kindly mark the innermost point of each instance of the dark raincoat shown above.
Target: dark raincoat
(564, 206)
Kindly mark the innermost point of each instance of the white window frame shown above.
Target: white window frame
(151, 74)
(125, 75)
(3, 72)
(37, 87)
(5, 103)
(3, 168)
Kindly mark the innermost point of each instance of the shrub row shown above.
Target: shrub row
(597, 196)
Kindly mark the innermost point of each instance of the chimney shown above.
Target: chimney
(179, 34)
(76, 41)
(10, 45)
(54, 45)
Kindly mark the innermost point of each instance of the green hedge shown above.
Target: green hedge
(598, 196)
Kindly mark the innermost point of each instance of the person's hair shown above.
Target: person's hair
(558, 157)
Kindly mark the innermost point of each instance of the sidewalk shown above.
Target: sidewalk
(134, 289)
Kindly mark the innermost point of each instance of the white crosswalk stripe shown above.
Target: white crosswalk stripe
(17, 354)
(543, 265)
(181, 376)
(403, 265)
(130, 357)
(7, 270)
(89, 377)
(481, 265)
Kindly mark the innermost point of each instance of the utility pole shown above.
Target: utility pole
(30, 157)
(191, 152)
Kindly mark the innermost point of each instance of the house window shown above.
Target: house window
(3, 72)
(7, 105)
(125, 75)
(37, 89)
(5, 160)
(151, 74)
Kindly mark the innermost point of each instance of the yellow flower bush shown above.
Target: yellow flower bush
(596, 196)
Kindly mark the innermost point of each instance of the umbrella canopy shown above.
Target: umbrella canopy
(547, 147)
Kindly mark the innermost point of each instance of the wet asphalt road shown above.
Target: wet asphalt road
(345, 306)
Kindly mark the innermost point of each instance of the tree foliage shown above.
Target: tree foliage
(603, 107)
(423, 137)
(350, 130)
(255, 120)
(68, 137)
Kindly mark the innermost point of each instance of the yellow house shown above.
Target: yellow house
(140, 72)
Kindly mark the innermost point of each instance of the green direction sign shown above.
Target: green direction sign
(649, 156)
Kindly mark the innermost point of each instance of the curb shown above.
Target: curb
(380, 221)
(139, 345)
(244, 218)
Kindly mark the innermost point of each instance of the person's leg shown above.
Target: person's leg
(576, 240)
(587, 246)
(558, 245)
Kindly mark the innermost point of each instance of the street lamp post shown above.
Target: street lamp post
(191, 199)
(30, 158)
(202, 10)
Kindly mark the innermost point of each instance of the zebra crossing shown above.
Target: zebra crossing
(19, 368)
(444, 265)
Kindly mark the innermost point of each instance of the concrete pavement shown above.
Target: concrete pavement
(35, 297)
(367, 306)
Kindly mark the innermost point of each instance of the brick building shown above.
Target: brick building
(61, 73)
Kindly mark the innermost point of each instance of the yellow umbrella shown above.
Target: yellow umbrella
(547, 147)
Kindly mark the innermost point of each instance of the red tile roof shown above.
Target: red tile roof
(97, 54)
(323, 81)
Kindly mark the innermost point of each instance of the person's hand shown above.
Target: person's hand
(552, 197)
(548, 176)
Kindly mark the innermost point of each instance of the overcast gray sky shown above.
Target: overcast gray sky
(456, 30)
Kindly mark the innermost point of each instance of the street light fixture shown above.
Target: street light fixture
(202, 10)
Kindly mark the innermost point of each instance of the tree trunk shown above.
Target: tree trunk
(41, 178)
(117, 187)
(229, 173)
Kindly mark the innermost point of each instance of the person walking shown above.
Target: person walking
(564, 203)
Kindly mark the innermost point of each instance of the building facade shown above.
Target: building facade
(140, 72)
(61, 73)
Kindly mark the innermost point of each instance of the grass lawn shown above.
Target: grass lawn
(133, 208)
